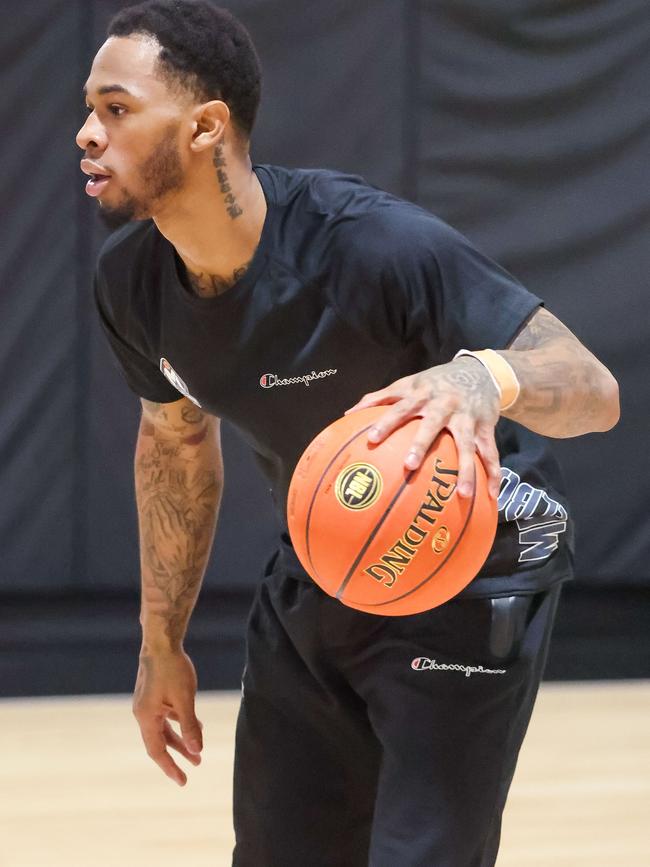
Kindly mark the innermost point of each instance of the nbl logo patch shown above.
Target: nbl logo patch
(358, 486)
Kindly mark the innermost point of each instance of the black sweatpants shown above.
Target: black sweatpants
(367, 741)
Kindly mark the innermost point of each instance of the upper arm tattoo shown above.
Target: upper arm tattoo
(179, 420)
(565, 390)
(154, 411)
(539, 329)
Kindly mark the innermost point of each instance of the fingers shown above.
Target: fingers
(400, 412)
(191, 730)
(428, 430)
(173, 740)
(469, 438)
(489, 454)
(376, 399)
(383, 397)
(462, 430)
(174, 716)
(155, 741)
(159, 736)
(472, 430)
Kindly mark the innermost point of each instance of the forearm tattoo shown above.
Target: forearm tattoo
(178, 491)
(565, 390)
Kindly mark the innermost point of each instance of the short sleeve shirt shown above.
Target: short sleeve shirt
(349, 289)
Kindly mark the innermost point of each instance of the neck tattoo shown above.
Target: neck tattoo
(209, 285)
(219, 162)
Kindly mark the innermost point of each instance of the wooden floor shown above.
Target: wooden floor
(77, 790)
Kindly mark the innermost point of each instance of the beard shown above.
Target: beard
(160, 174)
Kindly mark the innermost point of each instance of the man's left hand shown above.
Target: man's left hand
(459, 396)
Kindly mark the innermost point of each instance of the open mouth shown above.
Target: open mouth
(96, 184)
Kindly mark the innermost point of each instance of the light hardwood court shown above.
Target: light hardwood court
(78, 791)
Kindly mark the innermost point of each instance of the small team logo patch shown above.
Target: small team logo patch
(358, 486)
(176, 381)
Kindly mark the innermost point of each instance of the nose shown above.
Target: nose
(92, 136)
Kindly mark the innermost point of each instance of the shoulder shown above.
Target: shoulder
(129, 270)
(403, 243)
(362, 220)
(394, 236)
(126, 245)
(127, 263)
(323, 191)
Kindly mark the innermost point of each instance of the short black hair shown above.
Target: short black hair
(204, 48)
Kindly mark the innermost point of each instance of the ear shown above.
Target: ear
(208, 124)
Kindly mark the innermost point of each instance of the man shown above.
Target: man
(361, 739)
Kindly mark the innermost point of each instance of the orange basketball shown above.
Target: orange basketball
(377, 536)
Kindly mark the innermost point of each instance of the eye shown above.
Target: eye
(117, 110)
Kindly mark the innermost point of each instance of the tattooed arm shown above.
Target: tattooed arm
(178, 480)
(565, 392)
(178, 477)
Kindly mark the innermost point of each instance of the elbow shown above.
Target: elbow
(611, 403)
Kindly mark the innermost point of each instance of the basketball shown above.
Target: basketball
(377, 536)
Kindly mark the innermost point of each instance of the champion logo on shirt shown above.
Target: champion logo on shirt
(269, 380)
(423, 663)
(176, 381)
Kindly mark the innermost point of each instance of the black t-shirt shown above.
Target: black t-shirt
(350, 288)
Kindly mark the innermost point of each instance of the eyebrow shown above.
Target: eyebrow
(110, 88)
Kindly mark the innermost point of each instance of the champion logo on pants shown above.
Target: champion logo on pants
(423, 663)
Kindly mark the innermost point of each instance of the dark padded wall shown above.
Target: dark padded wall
(534, 139)
(39, 294)
(525, 124)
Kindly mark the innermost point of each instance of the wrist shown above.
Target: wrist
(159, 648)
(158, 638)
(501, 373)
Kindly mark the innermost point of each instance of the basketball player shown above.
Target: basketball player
(361, 740)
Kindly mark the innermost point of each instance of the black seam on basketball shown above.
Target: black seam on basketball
(372, 535)
(316, 490)
(435, 571)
